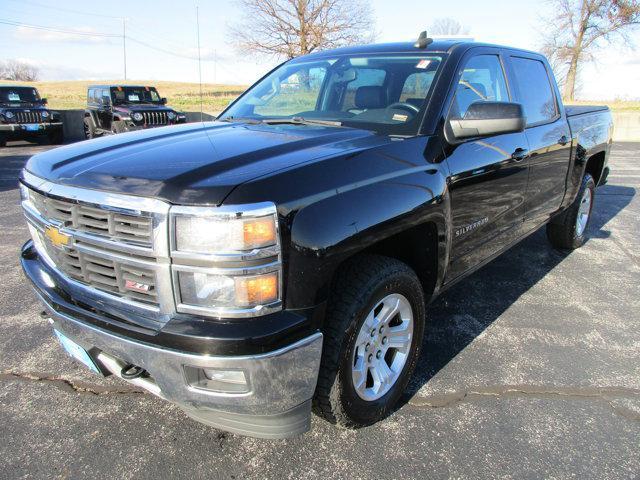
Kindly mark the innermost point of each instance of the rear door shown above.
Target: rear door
(548, 135)
(488, 175)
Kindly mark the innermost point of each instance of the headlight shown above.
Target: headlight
(45, 114)
(9, 115)
(137, 116)
(226, 260)
(171, 115)
(200, 290)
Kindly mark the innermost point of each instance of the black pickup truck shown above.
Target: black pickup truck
(283, 256)
(124, 108)
(24, 116)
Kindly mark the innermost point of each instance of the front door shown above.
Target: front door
(105, 112)
(488, 175)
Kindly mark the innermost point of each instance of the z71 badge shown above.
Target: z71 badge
(472, 226)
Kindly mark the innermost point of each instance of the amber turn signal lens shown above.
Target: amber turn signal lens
(258, 290)
(260, 232)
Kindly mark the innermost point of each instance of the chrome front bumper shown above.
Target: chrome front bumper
(280, 383)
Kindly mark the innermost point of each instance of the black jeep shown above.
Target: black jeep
(122, 108)
(23, 116)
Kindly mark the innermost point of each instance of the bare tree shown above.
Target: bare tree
(289, 28)
(578, 28)
(19, 71)
(447, 26)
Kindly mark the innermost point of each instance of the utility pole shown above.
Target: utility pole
(124, 45)
(199, 60)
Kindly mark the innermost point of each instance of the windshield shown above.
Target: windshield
(19, 95)
(135, 95)
(385, 93)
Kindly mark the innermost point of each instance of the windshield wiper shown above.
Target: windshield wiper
(301, 121)
(230, 119)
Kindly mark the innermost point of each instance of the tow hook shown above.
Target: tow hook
(130, 372)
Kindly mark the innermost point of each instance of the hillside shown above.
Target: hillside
(180, 95)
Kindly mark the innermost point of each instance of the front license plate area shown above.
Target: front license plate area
(32, 127)
(77, 352)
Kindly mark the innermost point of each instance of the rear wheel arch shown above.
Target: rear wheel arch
(595, 166)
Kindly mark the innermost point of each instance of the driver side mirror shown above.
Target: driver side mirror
(44, 101)
(163, 101)
(484, 119)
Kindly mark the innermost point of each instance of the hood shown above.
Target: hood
(22, 106)
(145, 107)
(194, 164)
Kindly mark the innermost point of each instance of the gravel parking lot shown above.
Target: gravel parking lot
(531, 369)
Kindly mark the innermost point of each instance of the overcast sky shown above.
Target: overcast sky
(170, 26)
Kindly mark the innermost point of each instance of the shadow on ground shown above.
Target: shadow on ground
(462, 313)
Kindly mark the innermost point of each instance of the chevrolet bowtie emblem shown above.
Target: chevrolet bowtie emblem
(57, 238)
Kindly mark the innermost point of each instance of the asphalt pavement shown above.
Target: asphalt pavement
(531, 369)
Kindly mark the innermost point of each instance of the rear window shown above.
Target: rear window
(536, 94)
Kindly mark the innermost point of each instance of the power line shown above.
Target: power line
(59, 30)
(66, 10)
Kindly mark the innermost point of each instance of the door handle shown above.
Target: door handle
(520, 154)
(563, 140)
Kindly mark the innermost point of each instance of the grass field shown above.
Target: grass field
(181, 96)
(186, 96)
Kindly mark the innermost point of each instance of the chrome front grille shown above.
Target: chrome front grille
(114, 276)
(155, 118)
(33, 116)
(92, 219)
(112, 250)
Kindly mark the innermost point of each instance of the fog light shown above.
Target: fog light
(217, 380)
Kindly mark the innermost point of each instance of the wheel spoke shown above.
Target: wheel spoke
(360, 374)
(389, 310)
(399, 339)
(375, 338)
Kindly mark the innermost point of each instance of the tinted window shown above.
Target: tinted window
(90, 96)
(361, 92)
(124, 94)
(296, 92)
(106, 97)
(366, 77)
(18, 95)
(482, 80)
(535, 90)
(416, 87)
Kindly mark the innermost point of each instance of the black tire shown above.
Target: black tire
(563, 232)
(360, 285)
(88, 129)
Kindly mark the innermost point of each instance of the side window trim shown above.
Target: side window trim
(558, 114)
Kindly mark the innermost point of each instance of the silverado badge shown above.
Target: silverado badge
(58, 239)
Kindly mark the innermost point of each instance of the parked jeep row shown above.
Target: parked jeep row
(123, 108)
(24, 116)
(110, 109)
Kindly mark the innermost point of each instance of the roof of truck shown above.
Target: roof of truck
(436, 46)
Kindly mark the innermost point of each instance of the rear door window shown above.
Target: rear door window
(534, 86)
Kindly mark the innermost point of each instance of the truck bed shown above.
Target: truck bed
(574, 110)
